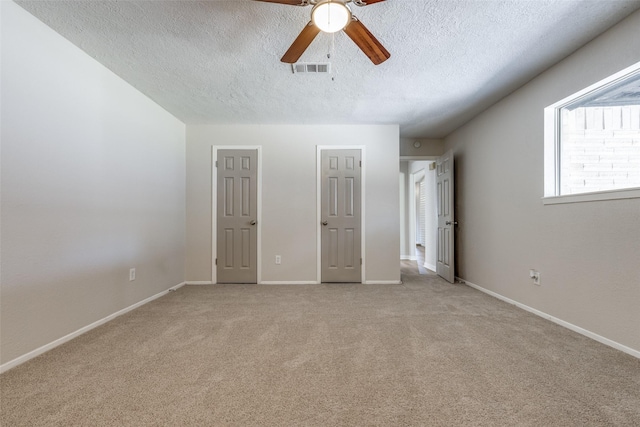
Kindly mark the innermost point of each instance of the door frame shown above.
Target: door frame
(414, 178)
(214, 207)
(319, 149)
(410, 227)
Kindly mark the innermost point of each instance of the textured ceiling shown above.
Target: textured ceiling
(219, 61)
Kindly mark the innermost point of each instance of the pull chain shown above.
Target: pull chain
(332, 50)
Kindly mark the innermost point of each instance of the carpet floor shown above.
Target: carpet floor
(423, 353)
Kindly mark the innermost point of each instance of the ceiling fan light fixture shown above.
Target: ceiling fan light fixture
(331, 16)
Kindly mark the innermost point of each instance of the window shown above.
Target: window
(592, 141)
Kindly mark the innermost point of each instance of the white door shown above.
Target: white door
(445, 266)
(340, 216)
(237, 240)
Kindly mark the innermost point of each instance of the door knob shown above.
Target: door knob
(451, 222)
(324, 223)
(253, 222)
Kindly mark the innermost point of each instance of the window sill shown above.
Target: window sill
(628, 193)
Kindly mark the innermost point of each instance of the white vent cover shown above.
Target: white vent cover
(311, 67)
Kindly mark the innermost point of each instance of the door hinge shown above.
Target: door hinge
(216, 261)
(360, 163)
(216, 163)
(360, 261)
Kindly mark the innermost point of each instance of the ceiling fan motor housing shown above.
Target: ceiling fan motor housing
(331, 16)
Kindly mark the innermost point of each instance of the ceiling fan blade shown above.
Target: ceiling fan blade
(368, 2)
(291, 2)
(301, 44)
(367, 42)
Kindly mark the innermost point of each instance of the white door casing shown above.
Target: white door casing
(445, 266)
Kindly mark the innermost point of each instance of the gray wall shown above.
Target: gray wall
(428, 147)
(289, 197)
(93, 178)
(588, 253)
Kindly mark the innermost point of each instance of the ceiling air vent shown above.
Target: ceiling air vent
(311, 67)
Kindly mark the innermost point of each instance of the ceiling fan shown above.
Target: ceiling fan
(331, 16)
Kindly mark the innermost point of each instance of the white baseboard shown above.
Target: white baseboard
(429, 266)
(408, 258)
(383, 282)
(571, 326)
(38, 351)
(302, 282)
(368, 282)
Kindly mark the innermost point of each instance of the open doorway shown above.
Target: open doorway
(418, 212)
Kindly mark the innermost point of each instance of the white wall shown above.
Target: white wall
(587, 253)
(93, 183)
(288, 221)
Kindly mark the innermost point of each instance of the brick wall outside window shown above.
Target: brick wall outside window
(600, 149)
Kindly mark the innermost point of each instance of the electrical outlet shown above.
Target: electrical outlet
(278, 259)
(535, 275)
(132, 274)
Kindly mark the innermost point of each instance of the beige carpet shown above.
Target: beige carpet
(423, 353)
